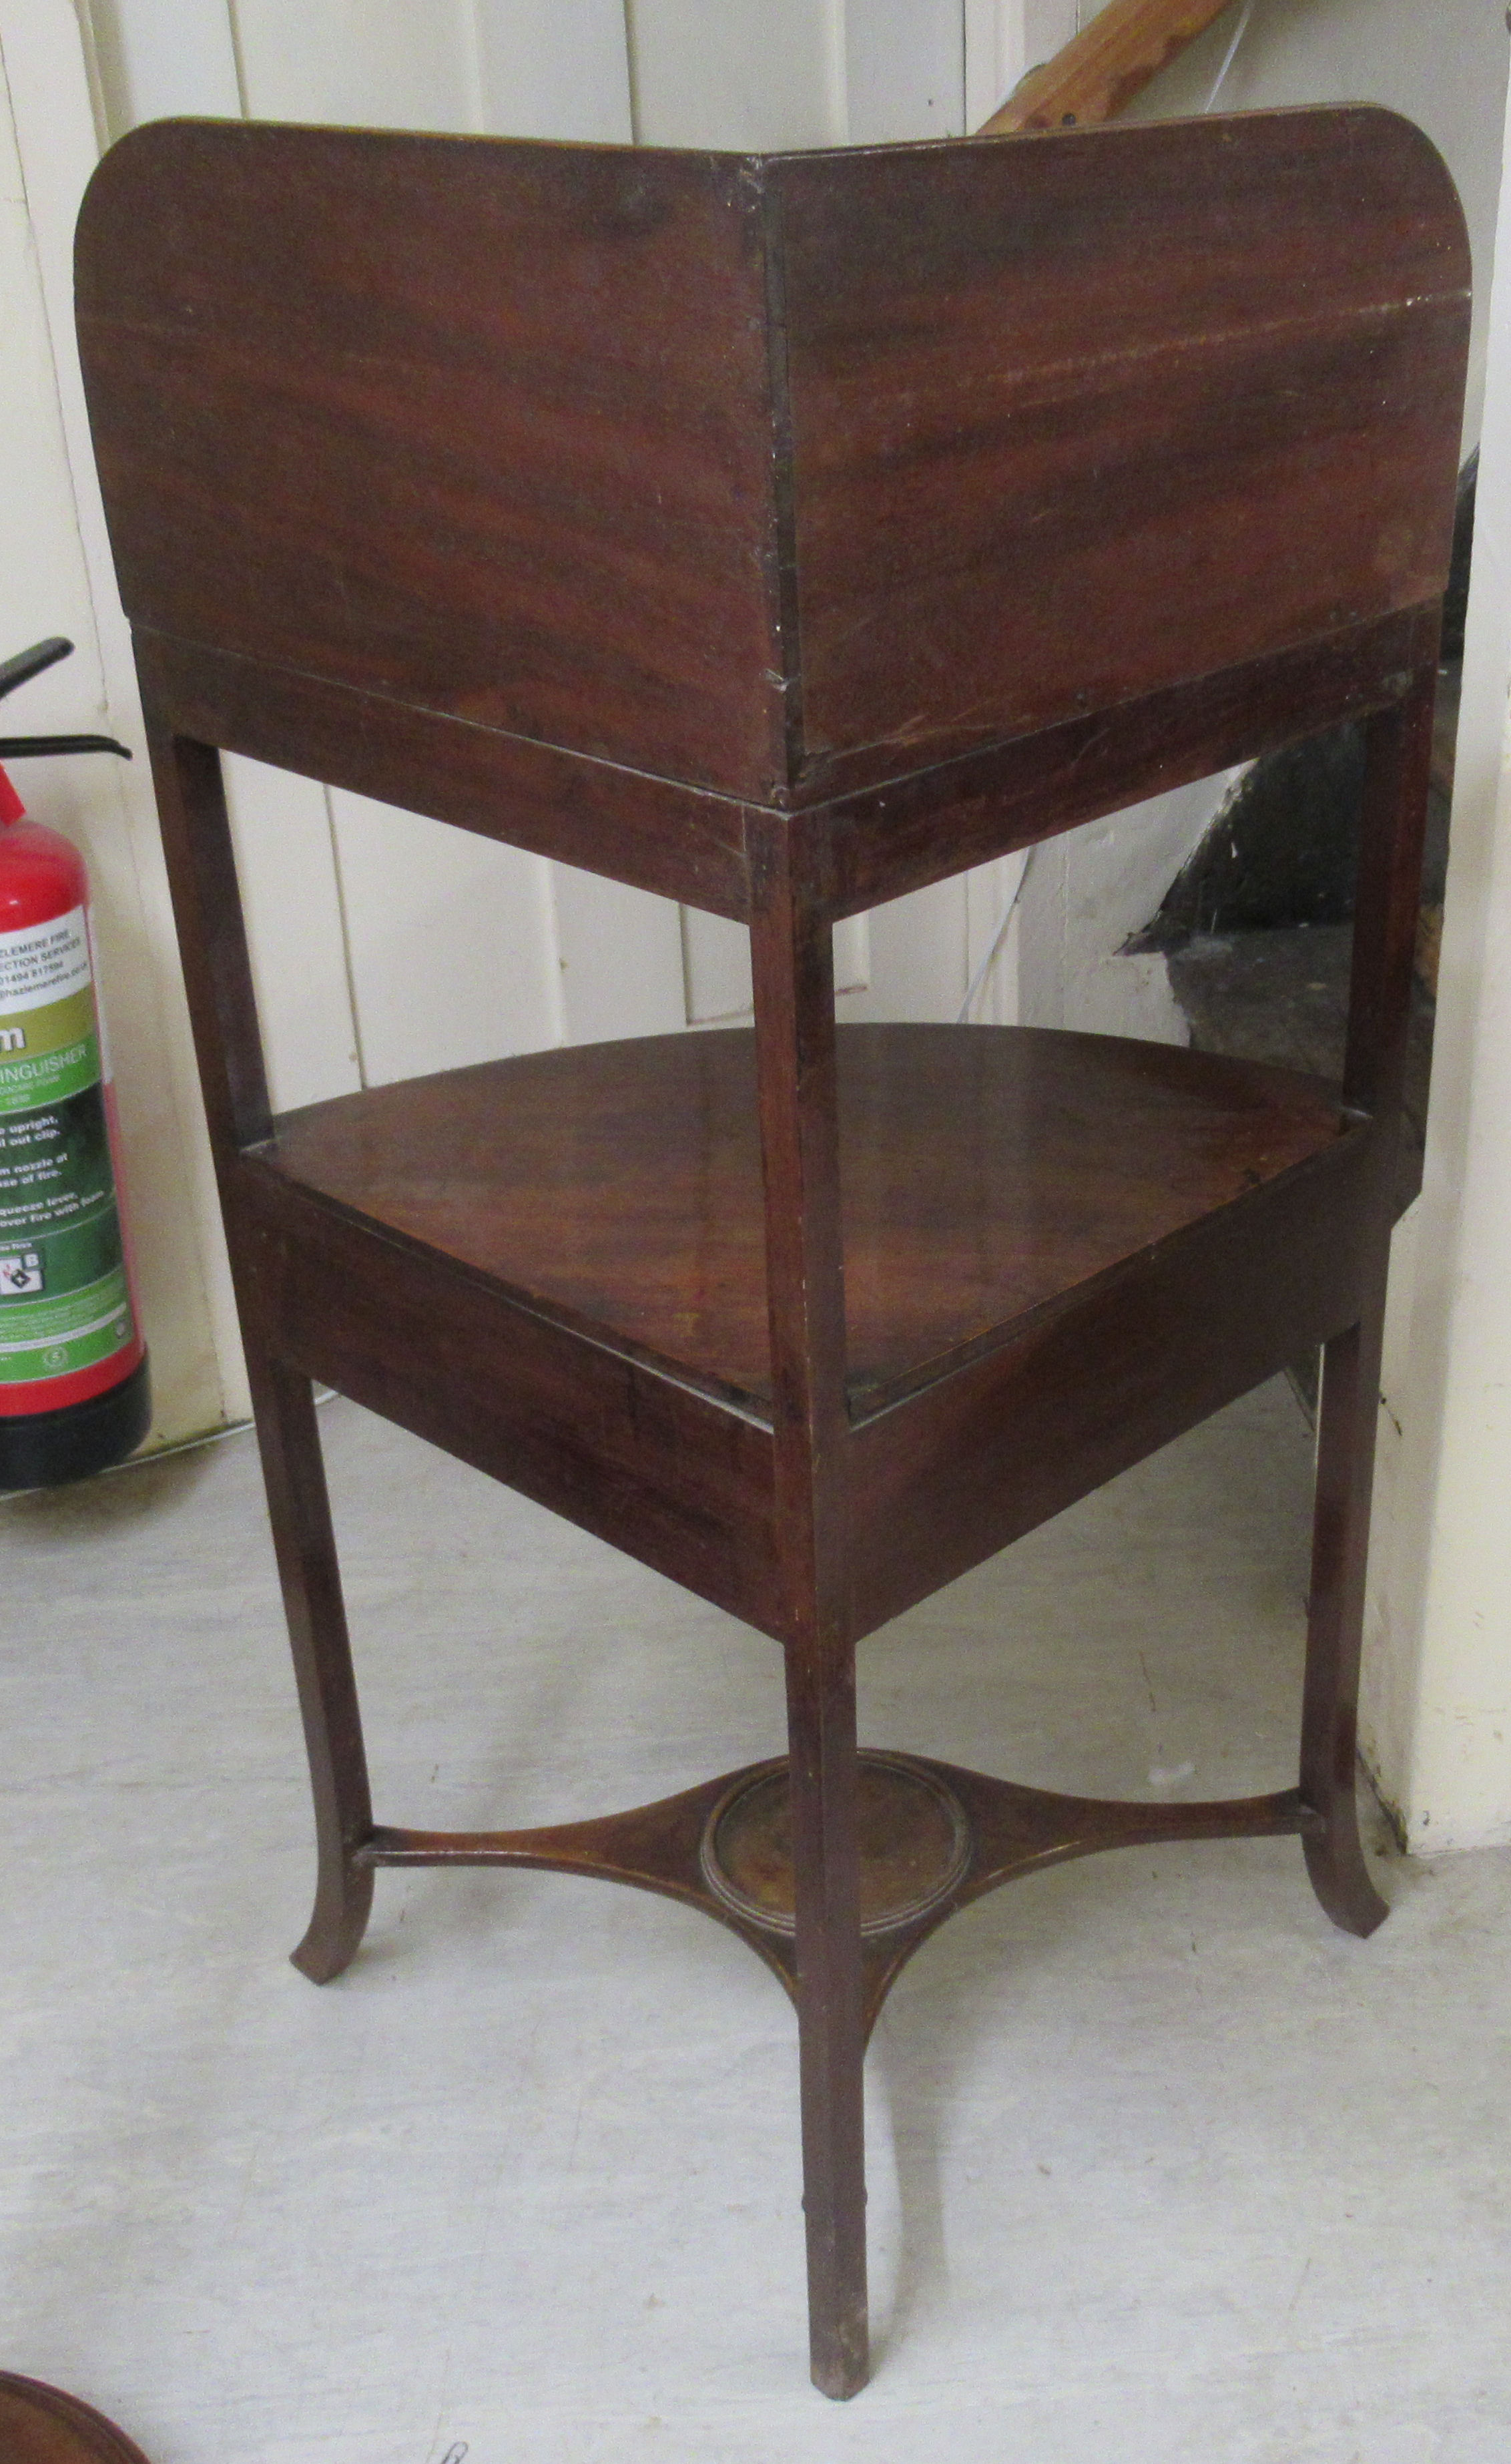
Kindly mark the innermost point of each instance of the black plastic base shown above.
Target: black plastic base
(40, 1449)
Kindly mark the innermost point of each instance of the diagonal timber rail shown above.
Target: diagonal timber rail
(1105, 65)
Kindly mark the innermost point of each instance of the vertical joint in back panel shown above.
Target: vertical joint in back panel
(782, 571)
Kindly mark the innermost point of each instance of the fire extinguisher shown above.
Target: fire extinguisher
(73, 1389)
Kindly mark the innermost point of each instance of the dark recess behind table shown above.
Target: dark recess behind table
(1259, 924)
(1284, 849)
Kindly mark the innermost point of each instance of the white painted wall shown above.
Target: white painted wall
(1086, 893)
(905, 70)
(742, 74)
(1438, 1705)
(156, 58)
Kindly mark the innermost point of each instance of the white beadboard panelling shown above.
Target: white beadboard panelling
(917, 956)
(1048, 25)
(56, 561)
(904, 70)
(716, 969)
(554, 68)
(620, 953)
(852, 955)
(450, 942)
(717, 965)
(363, 63)
(743, 73)
(286, 864)
(157, 58)
(994, 55)
(1004, 39)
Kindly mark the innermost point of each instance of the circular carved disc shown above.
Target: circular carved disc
(915, 1845)
(41, 2425)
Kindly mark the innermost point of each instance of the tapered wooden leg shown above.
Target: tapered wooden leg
(1398, 749)
(1329, 1716)
(821, 1714)
(792, 958)
(299, 1506)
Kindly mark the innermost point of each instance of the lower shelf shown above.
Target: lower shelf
(932, 1838)
(987, 1172)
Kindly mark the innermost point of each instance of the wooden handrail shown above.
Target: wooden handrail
(1105, 66)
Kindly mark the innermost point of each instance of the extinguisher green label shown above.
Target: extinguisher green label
(64, 1302)
(61, 1055)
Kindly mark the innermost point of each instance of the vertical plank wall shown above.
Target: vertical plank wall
(56, 563)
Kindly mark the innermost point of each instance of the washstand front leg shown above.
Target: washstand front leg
(820, 1720)
(298, 1507)
(1335, 1627)
(1398, 752)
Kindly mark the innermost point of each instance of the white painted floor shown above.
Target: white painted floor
(1161, 2165)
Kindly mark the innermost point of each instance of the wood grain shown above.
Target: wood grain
(1397, 765)
(939, 412)
(985, 1174)
(1008, 1832)
(1035, 388)
(926, 824)
(642, 1460)
(797, 1078)
(488, 462)
(657, 833)
(949, 1475)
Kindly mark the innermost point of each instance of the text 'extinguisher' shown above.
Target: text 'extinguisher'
(74, 1393)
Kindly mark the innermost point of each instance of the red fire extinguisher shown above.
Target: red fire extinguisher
(73, 1390)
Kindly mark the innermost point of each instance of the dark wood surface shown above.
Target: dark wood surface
(914, 1868)
(640, 1458)
(657, 833)
(491, 401)
(1017, 1434)
(908, 831)
(984, 1175)
(938, 415)
(783, 534)
(1062, 381)
(1398, 752)
(41, 2425)
(791, 964)
(662, 835)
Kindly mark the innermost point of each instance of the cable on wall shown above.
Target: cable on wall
(997, 938)
(1229, 55)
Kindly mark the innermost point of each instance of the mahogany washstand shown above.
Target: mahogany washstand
(781, 534)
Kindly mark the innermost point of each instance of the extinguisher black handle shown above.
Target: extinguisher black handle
(20, 670)
(16, 748)
(31, 663)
